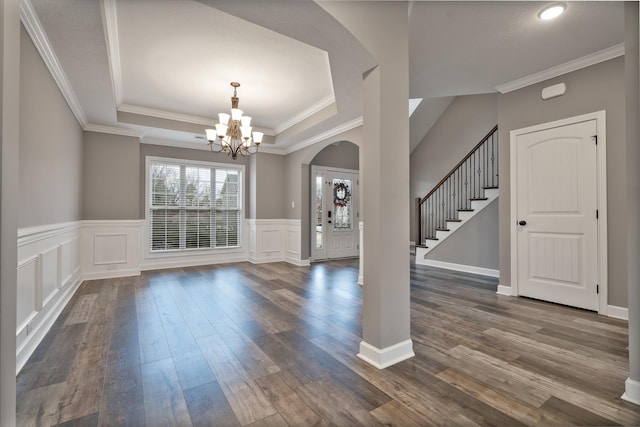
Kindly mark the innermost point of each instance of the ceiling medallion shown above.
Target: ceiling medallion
(233, 135)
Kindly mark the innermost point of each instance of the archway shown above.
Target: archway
(334, 219)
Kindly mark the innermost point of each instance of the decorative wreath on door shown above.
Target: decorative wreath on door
(341, 194)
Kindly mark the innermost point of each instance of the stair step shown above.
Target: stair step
(442, 229)
(422, 246)
(479, 198)
(490, 188)
(465, 210)
(431, 238)
(453, 220)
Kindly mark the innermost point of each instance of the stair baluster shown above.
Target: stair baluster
(476, 172)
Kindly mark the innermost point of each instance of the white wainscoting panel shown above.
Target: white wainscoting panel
(48, 275)
(294, 240)
(267, 240)
(49, 266)
(27, 299)
(111, 248)
(273, 240)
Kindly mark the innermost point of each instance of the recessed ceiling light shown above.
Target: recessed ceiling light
(552, 11)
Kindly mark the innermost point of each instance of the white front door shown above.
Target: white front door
(335, 213)
(557, 226)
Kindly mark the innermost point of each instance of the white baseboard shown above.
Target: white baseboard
(504, 290)
(298, 262)
(383, 358)
(617, 312)
(632, 391)
(111, 274)
(461, 267)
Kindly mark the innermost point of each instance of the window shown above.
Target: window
(193, 206)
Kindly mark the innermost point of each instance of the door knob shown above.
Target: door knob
(522, 222)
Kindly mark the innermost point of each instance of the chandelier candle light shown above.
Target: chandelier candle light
(233, 134)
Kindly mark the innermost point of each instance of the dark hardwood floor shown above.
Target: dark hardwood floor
(275, 345)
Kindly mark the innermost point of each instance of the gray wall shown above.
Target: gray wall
(474, 243)
(343, 155)
(50, 166)
(599, 87)
(111, 173)
(188, 154)
(462, 125)
(267, 197)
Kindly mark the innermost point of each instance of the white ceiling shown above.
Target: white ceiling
(162, 68)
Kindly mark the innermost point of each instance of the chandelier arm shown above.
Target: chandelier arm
(211, 144)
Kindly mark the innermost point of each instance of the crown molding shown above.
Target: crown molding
(176, 143)
(167, 115)
(201, 145)
(325, 135)
(113, 130)
(110, 23)
(315, 108)
(34, 28)
(567, 67)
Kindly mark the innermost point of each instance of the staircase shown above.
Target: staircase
(470, 186)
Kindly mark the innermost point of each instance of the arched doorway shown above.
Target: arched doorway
(334, 199)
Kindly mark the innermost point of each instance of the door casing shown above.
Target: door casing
(601, 176)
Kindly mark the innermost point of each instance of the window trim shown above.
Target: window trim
(191, 251)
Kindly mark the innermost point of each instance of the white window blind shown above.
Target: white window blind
(193, 206)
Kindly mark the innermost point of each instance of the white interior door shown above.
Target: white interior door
(557, 231)
(335, 214)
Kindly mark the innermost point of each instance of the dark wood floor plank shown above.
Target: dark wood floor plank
(83, 393)
(190, 364)
(209, 407)
(273, 344)
(164, 402)
(151, 336)
(524, 413)
(281, 389)
(56, 364)
(255, 362)
(569, 394)
(243, 394)
(86, 421)
(572, 414)
(39, 407)
(335, 405)
(81, 309)
(122, 402)
(394, 413)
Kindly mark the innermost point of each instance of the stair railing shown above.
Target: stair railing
(467, 181)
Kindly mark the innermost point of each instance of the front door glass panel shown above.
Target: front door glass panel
(342, 205)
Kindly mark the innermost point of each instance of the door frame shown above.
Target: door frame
(356, 216)
(601, 177)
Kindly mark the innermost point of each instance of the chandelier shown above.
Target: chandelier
(233, 134)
